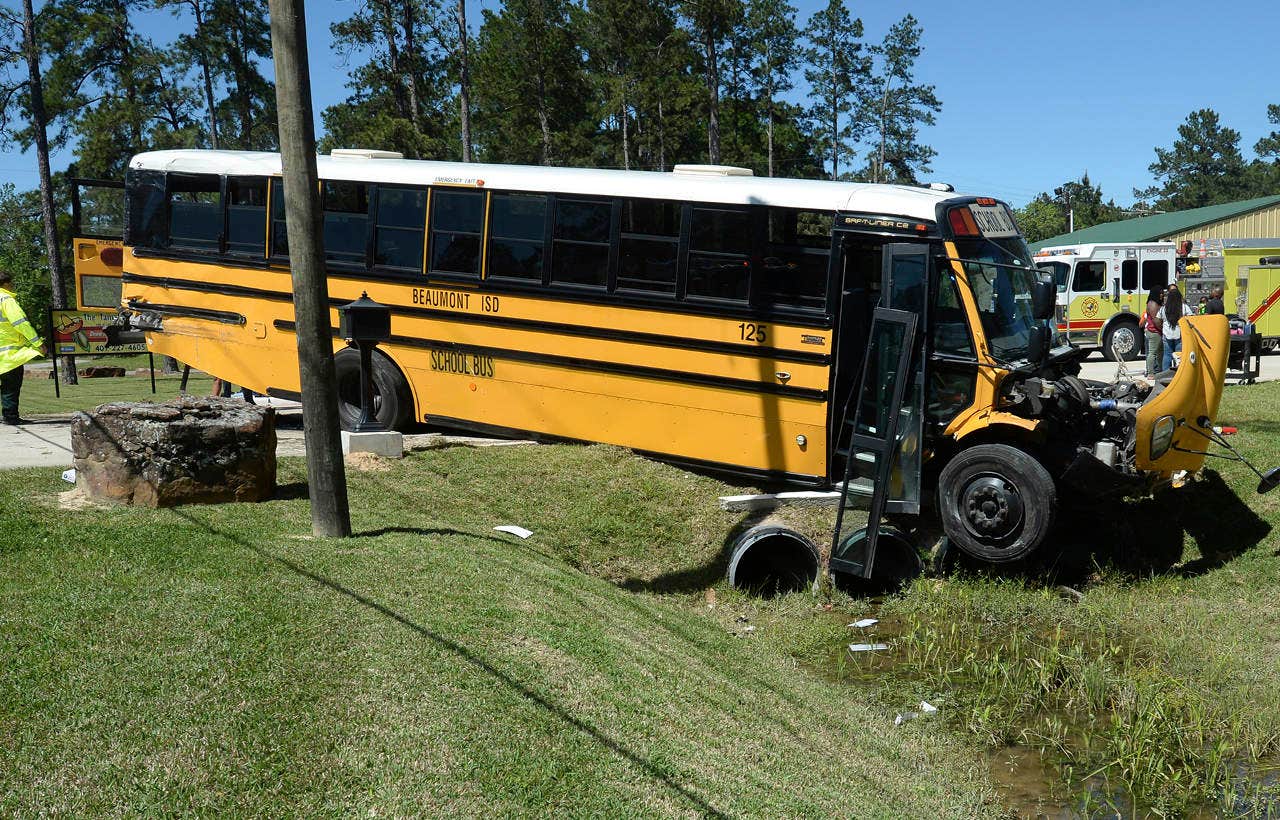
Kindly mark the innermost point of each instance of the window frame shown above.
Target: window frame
(375, 207)
(219, 244)
(752, 213)
(489, 236)
(1075, 276)
(226, 216)
(611, 244)
(456, 277)
(678, 241)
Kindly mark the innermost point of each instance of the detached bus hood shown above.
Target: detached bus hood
(1190, 398)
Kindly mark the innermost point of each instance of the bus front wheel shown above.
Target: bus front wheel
(997, 502)
(1123, 342)
(392, 398)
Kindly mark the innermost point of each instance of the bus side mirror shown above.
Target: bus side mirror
(1039, 342)
(1043, 297)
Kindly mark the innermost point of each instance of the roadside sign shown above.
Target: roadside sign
(83, 333)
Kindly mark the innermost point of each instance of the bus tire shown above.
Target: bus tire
(996, 502)
(392, 398)
(1123, 342)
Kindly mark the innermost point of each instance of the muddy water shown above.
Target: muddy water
(1032, 783)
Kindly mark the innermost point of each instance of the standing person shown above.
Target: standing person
(1170, 314)
(1151, 330)
(1215, 304)
(19, 344)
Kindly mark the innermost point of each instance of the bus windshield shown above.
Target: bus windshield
(1000, 274)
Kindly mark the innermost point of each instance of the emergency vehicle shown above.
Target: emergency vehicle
(1102, 291)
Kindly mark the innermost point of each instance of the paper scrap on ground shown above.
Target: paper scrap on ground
(867, 647)
(69, 475)
(927, 707)
(903, 717)
(519, 532)
(865, 622)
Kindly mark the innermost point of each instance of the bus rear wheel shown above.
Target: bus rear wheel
(1123, 342)
(996, 502)
(392, 398)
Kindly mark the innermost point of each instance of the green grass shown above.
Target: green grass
(214, 659)
(38, 393)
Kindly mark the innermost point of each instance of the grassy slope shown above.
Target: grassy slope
(209, 659)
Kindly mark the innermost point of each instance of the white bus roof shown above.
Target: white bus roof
(822, 195)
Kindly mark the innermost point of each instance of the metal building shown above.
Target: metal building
(1249, 219)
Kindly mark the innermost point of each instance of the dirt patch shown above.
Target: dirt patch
(367, 462)
(77, 499)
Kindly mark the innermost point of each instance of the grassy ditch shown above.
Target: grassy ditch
(218, 660)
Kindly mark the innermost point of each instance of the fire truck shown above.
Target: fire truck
(1102, 291)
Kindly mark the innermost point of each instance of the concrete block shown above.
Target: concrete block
(389, 444)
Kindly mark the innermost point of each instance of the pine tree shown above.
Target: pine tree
(711, 22)
(533, 97)
(773, 37)
(399, 96)
(895, 105)
(838, 73)
(1203, 167)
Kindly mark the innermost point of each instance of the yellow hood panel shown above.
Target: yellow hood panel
(1194, 392)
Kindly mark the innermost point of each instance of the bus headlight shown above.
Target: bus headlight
(1162, 436)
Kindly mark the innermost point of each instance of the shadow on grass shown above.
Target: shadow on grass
(475, 661)
(696, 579)
(292, 491)
(1220, 522)
(427, 531)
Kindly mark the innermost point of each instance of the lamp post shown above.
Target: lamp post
(364, 323)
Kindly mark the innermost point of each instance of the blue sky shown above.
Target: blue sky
(1034, 93)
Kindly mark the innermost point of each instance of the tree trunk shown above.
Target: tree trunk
(207, 72)
(769, 108)
(626, 136)
(464, 81)
(543, 122)
(713, 99)
(39, 125)
(662, 140)
(411, 71)
(326, 474)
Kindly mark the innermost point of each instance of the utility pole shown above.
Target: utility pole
(326, 476)
(1064, 194)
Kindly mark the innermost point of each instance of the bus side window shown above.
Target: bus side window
(797, 258)
(1155, 274)
(580, 252)
(144, 223)
(246, 216)
(1090, 276)
(1129, 274)
(719, 254)
(279, 229)
(457, 221)
(517, 236)
(650, 245)
(346, 222)
(400, 215)
(195, 211)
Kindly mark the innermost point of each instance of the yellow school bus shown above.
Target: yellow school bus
(892, 338)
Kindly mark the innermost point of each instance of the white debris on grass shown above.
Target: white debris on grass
(519, 532)
(867, 647)
(864, 623)
(69, 475)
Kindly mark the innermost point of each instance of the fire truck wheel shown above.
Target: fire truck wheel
(997, 502)
(1123, 342)
(392, 399)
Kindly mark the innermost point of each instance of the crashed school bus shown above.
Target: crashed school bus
(892, 338)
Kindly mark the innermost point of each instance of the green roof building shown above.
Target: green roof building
(1248, 219)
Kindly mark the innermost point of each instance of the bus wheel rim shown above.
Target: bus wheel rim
(992, 507)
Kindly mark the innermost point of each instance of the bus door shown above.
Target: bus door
(859, 271)
(1089, 303)
(97, 244)
(876, 475)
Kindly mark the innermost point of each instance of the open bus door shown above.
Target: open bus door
(97, 244)
(885, 419)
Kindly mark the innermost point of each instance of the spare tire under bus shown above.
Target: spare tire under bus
(392, 398)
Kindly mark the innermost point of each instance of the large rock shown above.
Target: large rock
(185, 451)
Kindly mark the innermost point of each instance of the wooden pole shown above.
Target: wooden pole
(326, 477)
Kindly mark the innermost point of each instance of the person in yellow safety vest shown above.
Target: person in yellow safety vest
(19, 344)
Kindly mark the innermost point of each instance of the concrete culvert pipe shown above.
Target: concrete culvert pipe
(770, 560)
